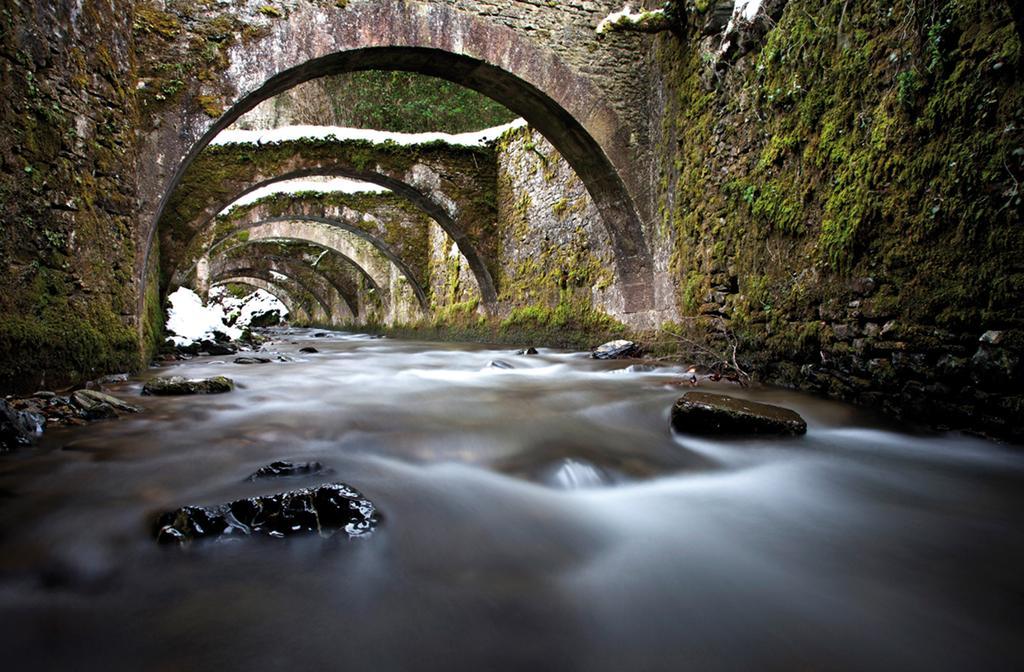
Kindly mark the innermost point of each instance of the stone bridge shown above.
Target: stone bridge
(362, 299)
(386, 221)
(268, 283)
(578, 96)
(450, 185)
(334, 308)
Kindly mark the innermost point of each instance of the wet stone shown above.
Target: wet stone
(707, 413)
(285, 468)
(18, 429)
(309, 349)
(251, 360)
(327, 510)
(92, 401)
(179, 385)
(616, 350)
(499, 364)
(218, 349)
(527, 351)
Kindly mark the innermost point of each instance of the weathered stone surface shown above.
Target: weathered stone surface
(179, 385)
(707, 413)
(285, 468)
(325, 510)
(18, 429)
(251, 360)
(616, 350)
(89, 400)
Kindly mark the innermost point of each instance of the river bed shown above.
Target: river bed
(540, 517)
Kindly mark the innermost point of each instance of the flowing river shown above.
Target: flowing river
(541, 517)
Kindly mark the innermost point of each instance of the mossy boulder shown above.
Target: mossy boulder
(707, 413)
(179, 385)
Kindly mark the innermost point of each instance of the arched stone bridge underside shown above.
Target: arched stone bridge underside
(404, 299)
(343, 278)
(314, 39)
(268, 283)
(386, 221)
(450, 185)
(333, 307)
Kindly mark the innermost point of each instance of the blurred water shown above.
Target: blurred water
(541, 517)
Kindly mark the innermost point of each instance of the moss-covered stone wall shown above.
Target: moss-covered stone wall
(839, 191)
(68, 117)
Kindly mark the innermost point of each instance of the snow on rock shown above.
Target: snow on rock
(299, 132)
(255, 305)
(190, 320)
(319, 185)
(747, 9)
(626, 17)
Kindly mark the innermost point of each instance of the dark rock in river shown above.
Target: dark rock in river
(499, 364)
(309, 349)
(18, 428)
(251, 360)
(176, 385)
(285, 468)
(324, 510)
(320, 334)
(707, 413)
(527, 351)
(218, 349)
(267, 318)
(616, 350)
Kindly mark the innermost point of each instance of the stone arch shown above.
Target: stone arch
(351, 296)
(435, 39)
(340, 297)
(403, 298)
(325, 295)
(400, 231)
(344, 237)
(279, 292)
(437, 185)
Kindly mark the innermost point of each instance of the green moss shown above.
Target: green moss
(271, 11)
(863, 139)
(211, 106)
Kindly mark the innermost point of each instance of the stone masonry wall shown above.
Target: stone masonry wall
(839, 197)
(67, 201)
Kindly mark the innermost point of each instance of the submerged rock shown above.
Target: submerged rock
(176, 385)
(616, 350)
(707, 413)
(252, 360)
(285, 468)
(309, 349)
(499, 364)
(325, 510)
(18, 429)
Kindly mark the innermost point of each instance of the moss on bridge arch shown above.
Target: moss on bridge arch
(221, 172)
